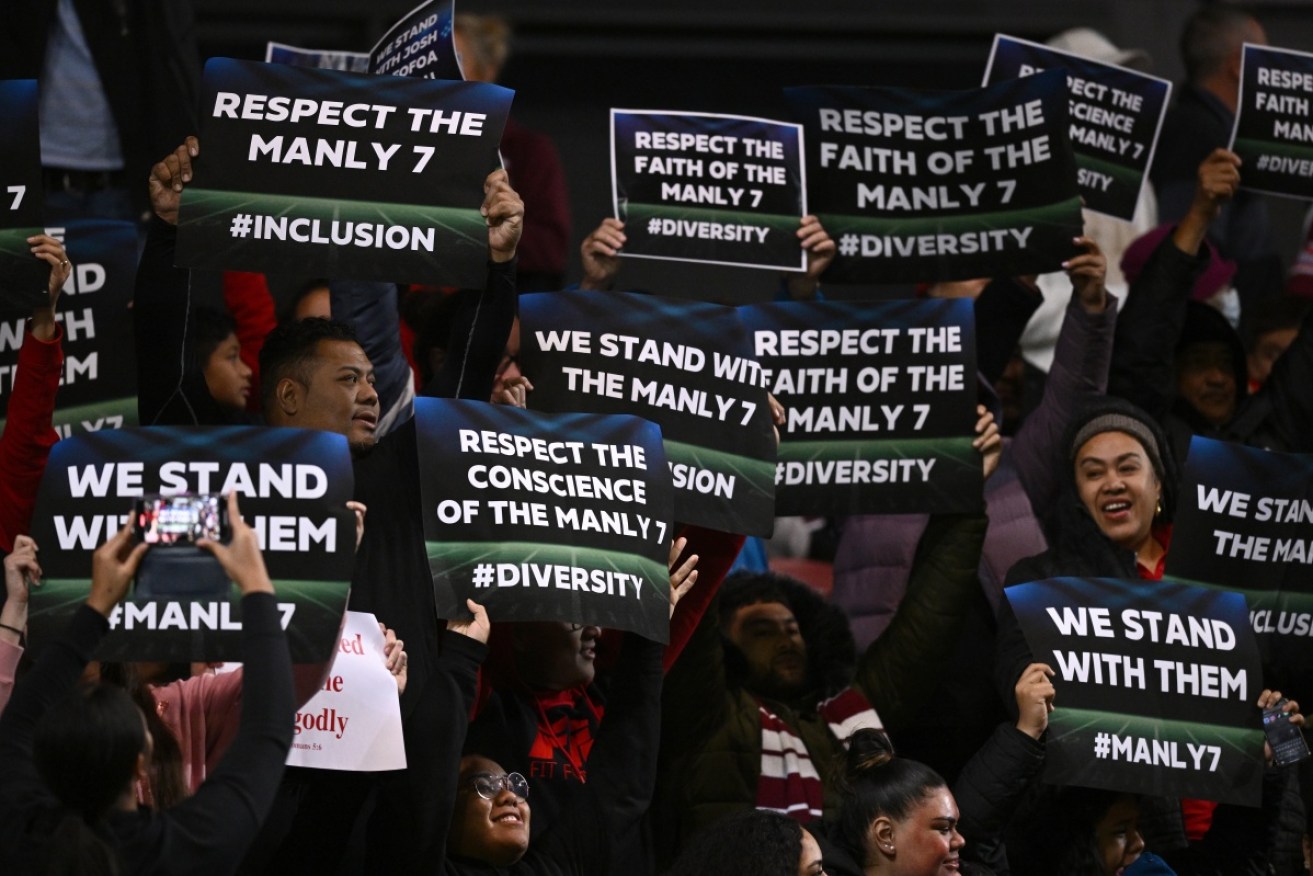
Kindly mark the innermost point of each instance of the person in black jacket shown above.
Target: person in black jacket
(70, 756)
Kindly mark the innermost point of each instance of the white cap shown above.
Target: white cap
(1089, 43)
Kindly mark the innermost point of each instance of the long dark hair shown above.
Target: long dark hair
(1058, 835)
(875, 782)
(168, 780)
(85, 749)
(751, 843)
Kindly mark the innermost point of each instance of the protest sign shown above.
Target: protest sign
(323, 173)
(99, 385)
(322, 59)
(538, 516)
(293, 485)
(1273, 131)
(354, 722)
(686, 366)
(881, 404)
(1116, 115)
(1157, 685)
(703, 187)
(419, 45)
(23, 277)
(1244, 521)
(917, 185)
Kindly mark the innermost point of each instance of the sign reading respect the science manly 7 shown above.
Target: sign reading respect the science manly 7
(1244, 521)
(561, 517)
(685, 365)
(917, 185)
(23, 277)
(712, 188)
(323, 173)
(293, 485)
(1273, 133)
(1158, 684)
(1116, 115)
(881, 404)
(98, 389)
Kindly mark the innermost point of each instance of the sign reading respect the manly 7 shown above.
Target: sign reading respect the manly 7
(324, 173)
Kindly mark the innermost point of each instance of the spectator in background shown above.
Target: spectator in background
(1114, 235)
(1200, 122)
(128, 72)
(482, 47)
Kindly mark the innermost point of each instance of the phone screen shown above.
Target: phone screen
(1288, 745)
(170, 520)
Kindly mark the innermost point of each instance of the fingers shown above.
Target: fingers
(986, 428)
(606, 239)
(175, 170)
(778, 415)
(676, 548)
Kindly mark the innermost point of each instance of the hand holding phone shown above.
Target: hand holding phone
(1283, 734)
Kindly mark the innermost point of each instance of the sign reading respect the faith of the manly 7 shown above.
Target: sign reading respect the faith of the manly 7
(880, 399)
(708, 188)
(918, 185)
(1273, 133)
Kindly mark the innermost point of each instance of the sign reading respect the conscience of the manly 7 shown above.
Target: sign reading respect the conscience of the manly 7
(323, 173)
(685, 365)
(918, 185)
(1273, 133)
(881, 404)
(538, 516)
(1116, 115)
(709, 188)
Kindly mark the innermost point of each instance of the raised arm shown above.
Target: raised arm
(171, 388)
(1144, 349)
(28, 433)
(1081, 359)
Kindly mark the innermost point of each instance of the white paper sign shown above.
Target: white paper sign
(354, 722)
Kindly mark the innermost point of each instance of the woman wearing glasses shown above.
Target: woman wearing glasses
(489, 810)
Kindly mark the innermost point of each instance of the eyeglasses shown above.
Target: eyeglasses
(488, 785)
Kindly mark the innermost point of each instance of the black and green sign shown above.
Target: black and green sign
(293, 485)
(1157, 686)
(880, 399)
(1273, 133)
(324, 173)
(23, 277)
(917, 185)
(563, 517)
(686, 366)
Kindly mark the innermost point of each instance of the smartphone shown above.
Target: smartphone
(1288, 745)
(184, 519)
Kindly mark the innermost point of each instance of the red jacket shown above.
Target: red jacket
(29, 434)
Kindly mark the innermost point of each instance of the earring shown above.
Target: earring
(1159, 509)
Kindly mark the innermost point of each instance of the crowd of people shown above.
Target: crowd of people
(894, 724)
